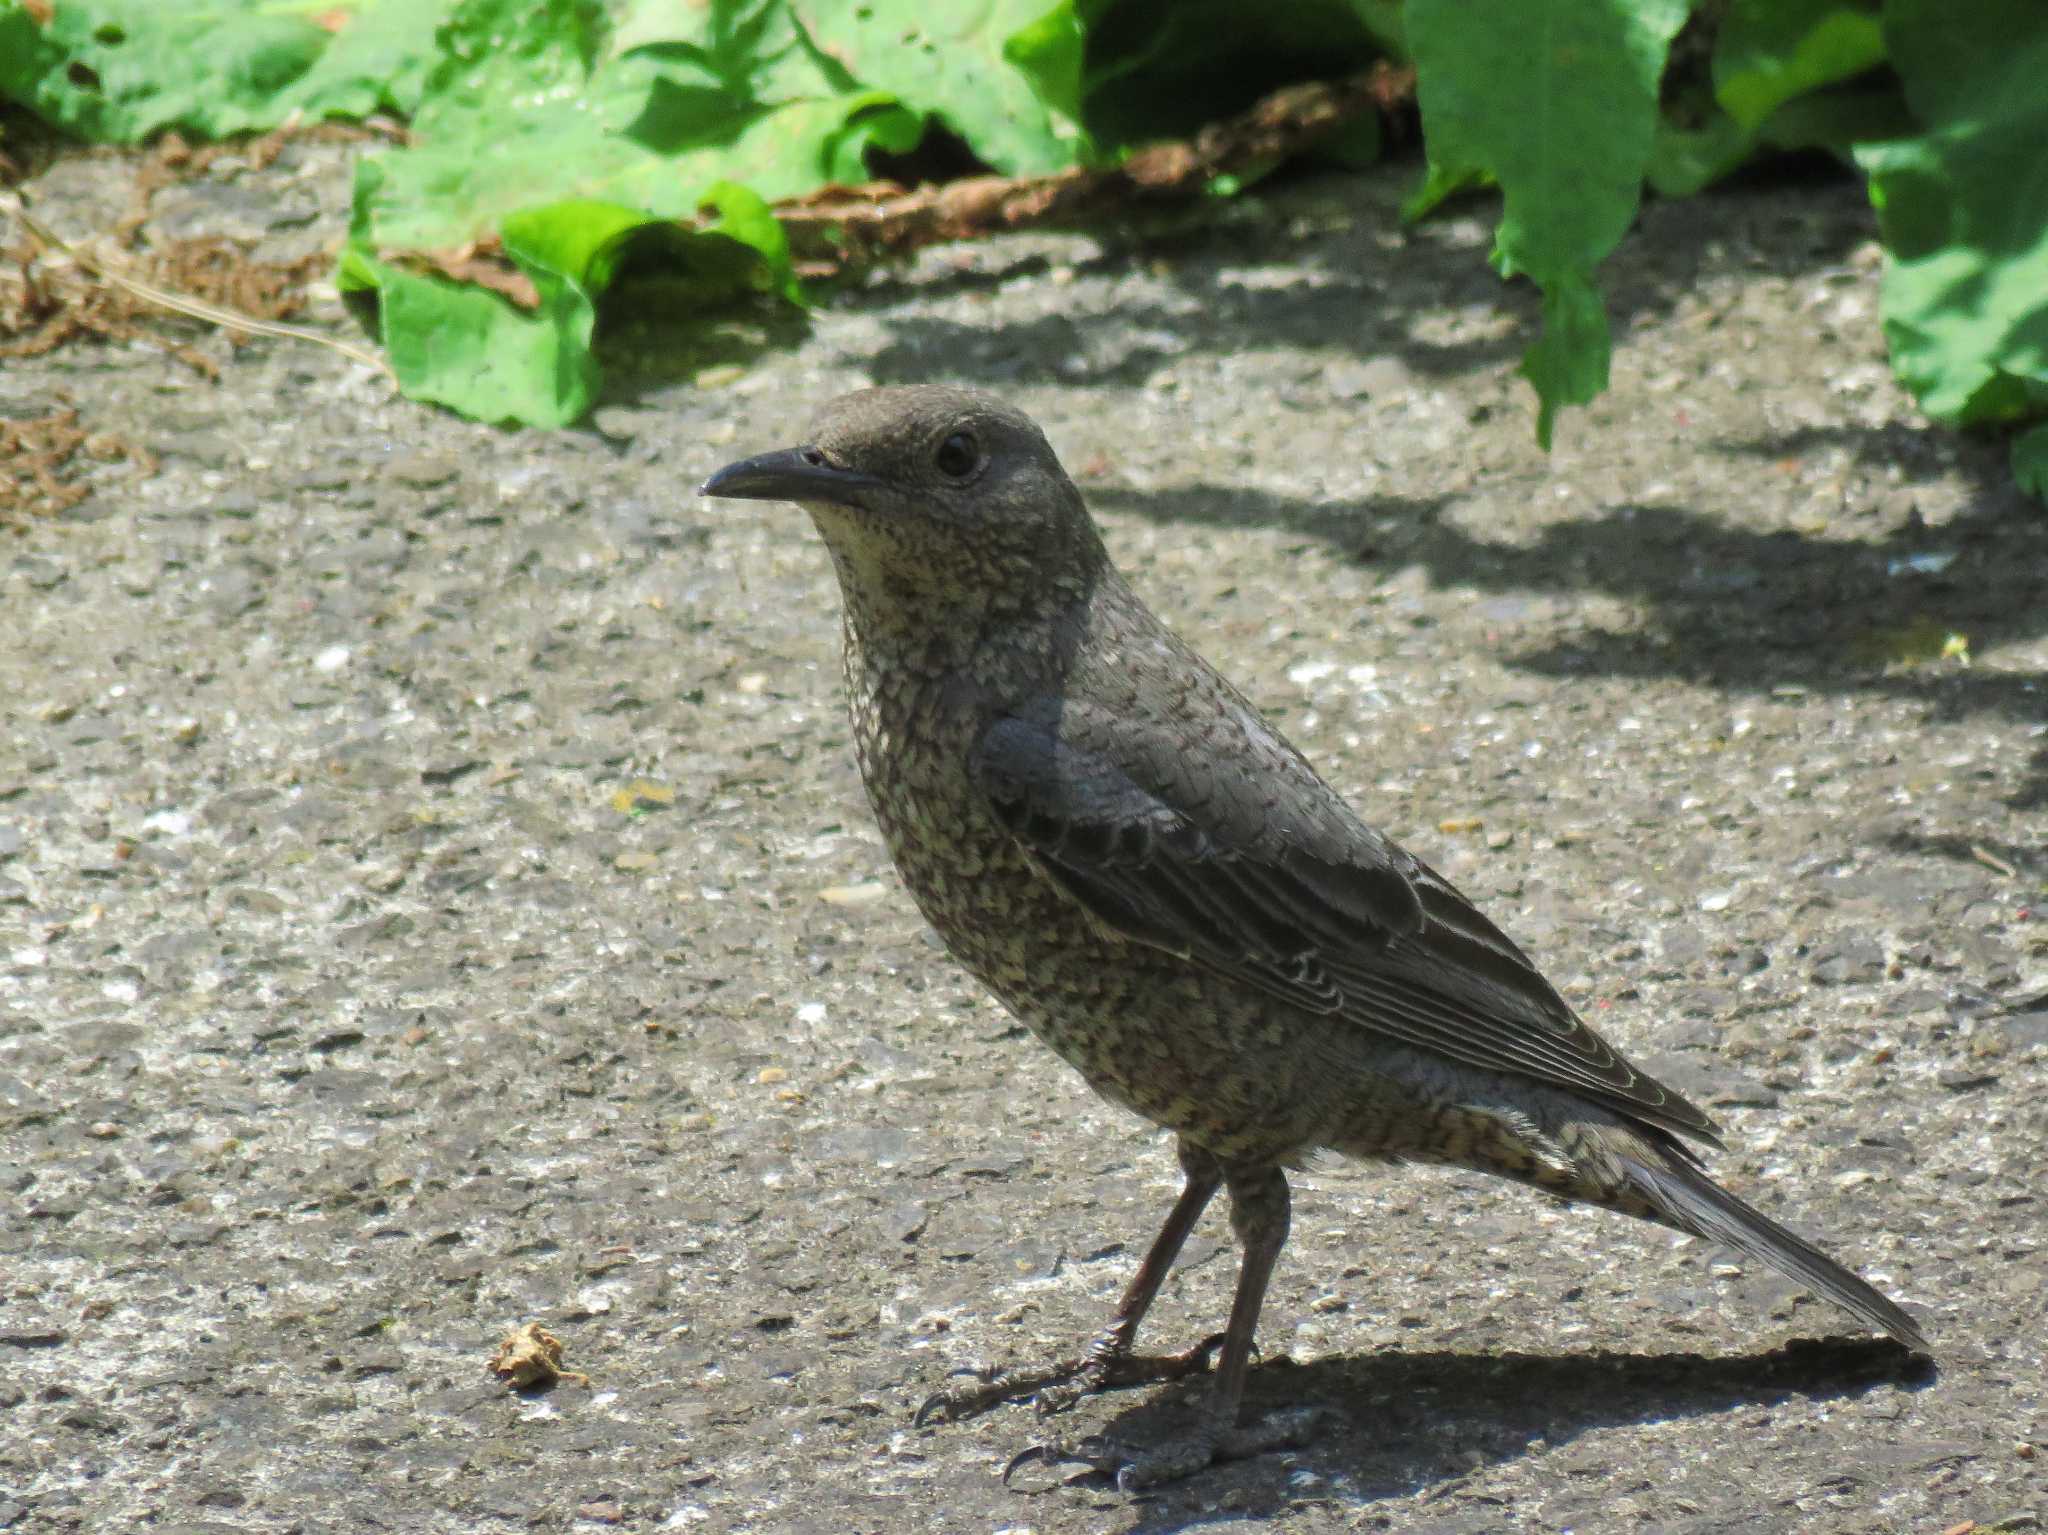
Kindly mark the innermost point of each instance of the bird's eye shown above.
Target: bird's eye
(958, 455)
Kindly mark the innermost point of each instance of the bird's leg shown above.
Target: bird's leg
(1259, 1210)
(1108, 1361)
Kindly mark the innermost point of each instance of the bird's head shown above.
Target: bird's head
(932, 499)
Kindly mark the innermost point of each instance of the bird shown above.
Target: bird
(1161, 888)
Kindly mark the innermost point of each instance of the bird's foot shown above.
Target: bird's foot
(1055, 1388)
(1135, 1468)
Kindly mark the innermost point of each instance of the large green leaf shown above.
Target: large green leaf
(1051, 52)
(485, 167)
(460, 345)
(121, 70)
(538, 104)
(1836, 120)
(1964, 208)
(1557, 101)
(950, 60)
(1769, 51)
(1774, 63)
(467, 347)
(568, 140)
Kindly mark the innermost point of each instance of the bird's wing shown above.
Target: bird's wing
(1267, 876)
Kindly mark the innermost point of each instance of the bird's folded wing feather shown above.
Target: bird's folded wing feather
(1268, 877)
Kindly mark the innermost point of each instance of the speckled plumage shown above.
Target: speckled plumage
(1160, 886)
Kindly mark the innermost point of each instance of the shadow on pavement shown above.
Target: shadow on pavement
(1408, 1423)
(1363, 281)
(1738, 609)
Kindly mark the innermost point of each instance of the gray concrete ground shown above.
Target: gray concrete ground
(356, 1008)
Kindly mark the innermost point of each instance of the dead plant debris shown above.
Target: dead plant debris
(838, 228)
(118, 287)
(36, 462)
(50, 295)
(532, 1356)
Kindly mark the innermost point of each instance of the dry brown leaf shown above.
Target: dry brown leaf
(532, 1356)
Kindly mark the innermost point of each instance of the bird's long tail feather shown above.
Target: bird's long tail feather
(1688, 1199)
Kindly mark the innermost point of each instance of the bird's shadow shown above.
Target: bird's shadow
(1405, 1423)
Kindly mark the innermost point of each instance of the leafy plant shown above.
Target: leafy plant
(118, 71)
(552, 142)
(1561, 111)
(1964, 211)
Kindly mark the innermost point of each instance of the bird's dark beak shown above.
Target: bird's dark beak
(794, 474)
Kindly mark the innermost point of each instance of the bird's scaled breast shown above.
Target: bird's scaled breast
(913, 737)
(1147, 1029)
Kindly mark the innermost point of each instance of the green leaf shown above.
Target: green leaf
(378, 61)
(570, 134)
(463, 346)
(1964, 209)
(1561, 109)
(121, 70)
(569, 249)
(497, 54)
(532, 108)
(578, 239)
(1050, 53)
(1769, 51)
(1685, 160)
(466, 347)
(1568, 364)
(1440, 183)
(739, 41)
(2030, 462)
(951, 60)
(571, 142)
(1838, 120)
(471, 349)
(744, 218)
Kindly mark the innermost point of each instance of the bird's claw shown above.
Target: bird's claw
(948, 1404)
(1099, 1452)
(1132, 1468)
(1112, 1371)
(1054, 1388)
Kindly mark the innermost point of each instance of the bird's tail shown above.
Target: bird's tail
(1687, 1198)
